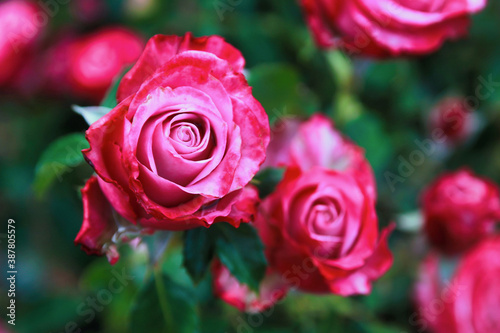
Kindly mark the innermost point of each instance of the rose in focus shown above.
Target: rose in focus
(459, 210)
(186, 138)
(382, 28)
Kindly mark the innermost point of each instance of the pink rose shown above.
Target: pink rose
(185, 140)
(86, 66)
(272, 289)
(21, 25)
(316, 142)
(460, 209)
(383, 28)
(469, 302)
(320, 231)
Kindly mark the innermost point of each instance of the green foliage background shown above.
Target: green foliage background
(381, 105)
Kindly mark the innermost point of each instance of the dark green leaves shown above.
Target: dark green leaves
(368, 132)
(164, 306)
(239, 249)
(280, 91)
(60, 157)
(198, 252)
(242, 252)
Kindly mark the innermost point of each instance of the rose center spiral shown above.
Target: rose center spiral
(187, 134)
(325, 217)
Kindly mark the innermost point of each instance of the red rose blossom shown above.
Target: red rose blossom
(185, 140)
(388, 27)
(21, 24)
(460, 209)
(469, 302)
(320, 231)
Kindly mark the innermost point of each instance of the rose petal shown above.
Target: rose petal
(161, 49)
(98, 223)
(105, 137)
(359, 281)
(231, 291)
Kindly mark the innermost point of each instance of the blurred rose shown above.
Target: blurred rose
(88, 10)
(469, 302)
(320, 231)
(459, 210)
(86, 66)
(21, 24)
(186, 139)
(55, 63)
(454, 117)
(388, 27)
(228, 288)
(316, 142)
(429, 291)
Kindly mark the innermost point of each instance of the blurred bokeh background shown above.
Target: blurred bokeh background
(384, 106)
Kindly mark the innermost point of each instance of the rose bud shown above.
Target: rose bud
(21, 24)
(272, 289)
(454, 118)
(185, 140)
(86, 66)
(316, 142)
(459, 210)
(382, 28)
(469, 302)
(320, 232)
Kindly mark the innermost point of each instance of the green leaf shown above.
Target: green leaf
(109, 100)
(241, 251)
(60, 157)
(62, 312)
(267, 180)
(342, 69)
(164, 306)
(368, 132)
(199, 248)
(375, 327)
(279, 89)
